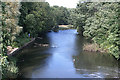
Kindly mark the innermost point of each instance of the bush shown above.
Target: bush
(103, 27)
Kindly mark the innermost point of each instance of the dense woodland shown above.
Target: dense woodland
(99, 22)
(38, 18)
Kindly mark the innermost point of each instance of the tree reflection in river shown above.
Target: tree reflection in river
(96, 65)
(64, 58)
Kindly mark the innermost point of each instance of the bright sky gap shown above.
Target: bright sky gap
(64, 3)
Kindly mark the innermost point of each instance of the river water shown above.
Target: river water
(64, 58)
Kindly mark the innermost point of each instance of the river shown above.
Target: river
(64, 58)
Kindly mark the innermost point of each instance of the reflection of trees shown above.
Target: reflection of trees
(89, 60)
(33, 57)
(79, 44)
(93, 63)
(30, 62)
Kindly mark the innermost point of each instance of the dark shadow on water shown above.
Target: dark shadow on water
(65, 58)
(97, 65)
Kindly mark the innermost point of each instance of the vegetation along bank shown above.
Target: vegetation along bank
(21, 22)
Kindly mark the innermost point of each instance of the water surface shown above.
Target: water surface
(64, 58)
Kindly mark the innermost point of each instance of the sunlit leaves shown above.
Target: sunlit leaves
(36, 17)
(9, 30)
(103, 27)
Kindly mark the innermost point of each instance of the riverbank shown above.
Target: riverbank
(93, 47)
(15, 51)
(64, 56)
(62, 27)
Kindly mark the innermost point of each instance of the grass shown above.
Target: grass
(93, 47)
(21, 40)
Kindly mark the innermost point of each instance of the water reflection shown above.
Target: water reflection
(64, 58)
(96, 65)
(60, 63)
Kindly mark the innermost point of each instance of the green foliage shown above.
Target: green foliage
(61, 15)
(83, 12)
(8, 67)
(21, 40)
(36, 17)
(9, 30)
(72, 16)
(101, 24)
(30, 23)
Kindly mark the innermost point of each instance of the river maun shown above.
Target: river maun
(64, 58)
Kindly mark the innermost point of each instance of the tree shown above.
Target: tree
(61, 15)
(38, 19)
(9, 21)
(100, 22)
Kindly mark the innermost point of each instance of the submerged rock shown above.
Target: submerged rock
(41, 45)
